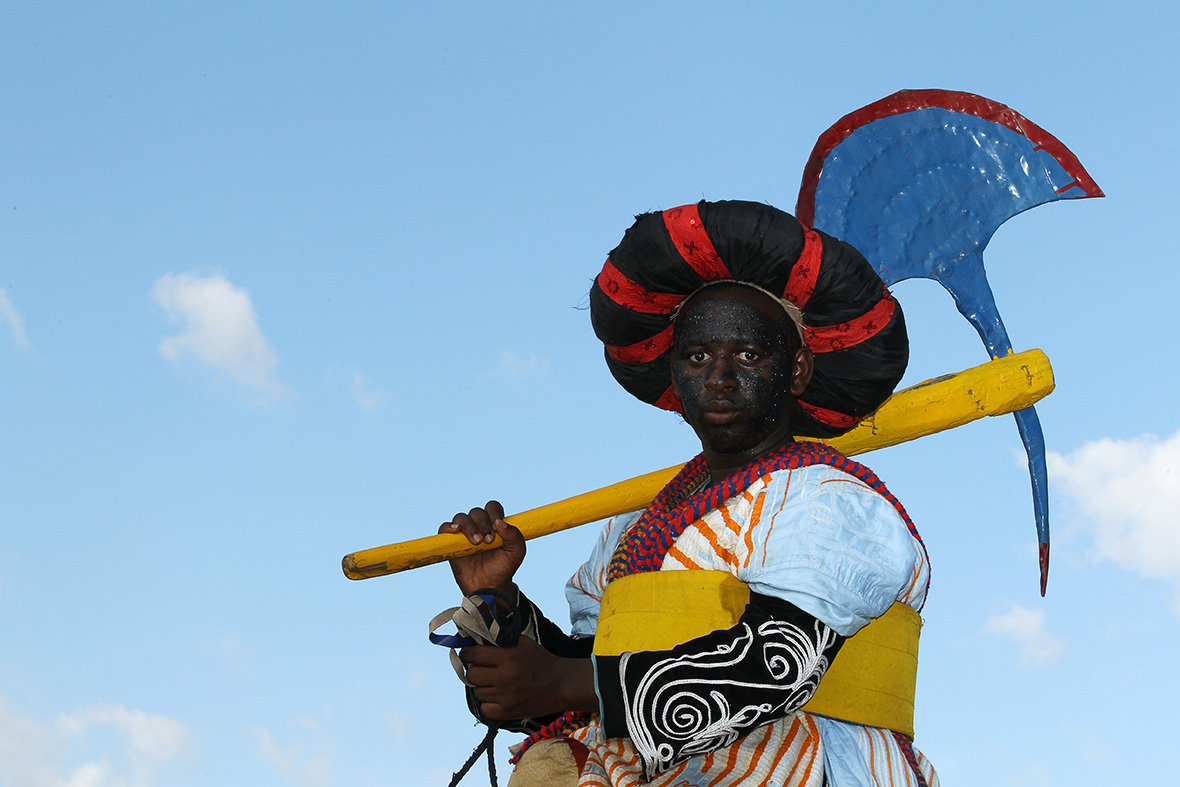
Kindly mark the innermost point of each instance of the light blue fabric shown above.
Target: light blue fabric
(844, 763)
(584, 606)
(831, 546)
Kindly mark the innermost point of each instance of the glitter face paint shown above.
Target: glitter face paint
(732, 367)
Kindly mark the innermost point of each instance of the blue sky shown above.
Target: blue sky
(279, 283)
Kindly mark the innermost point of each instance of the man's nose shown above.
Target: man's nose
(721, 372)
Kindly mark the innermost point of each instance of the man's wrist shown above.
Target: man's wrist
(578, 687)
(510, 590)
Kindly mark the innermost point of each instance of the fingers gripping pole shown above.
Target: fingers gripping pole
(1001, 386)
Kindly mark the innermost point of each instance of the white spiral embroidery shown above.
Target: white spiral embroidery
(680, 708)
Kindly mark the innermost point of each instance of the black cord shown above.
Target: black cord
(484, 745)
(511, 624)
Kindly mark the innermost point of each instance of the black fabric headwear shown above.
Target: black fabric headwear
(852, 324)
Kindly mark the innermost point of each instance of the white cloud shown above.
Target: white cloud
(370, 399)
(1026, 628)
(237, 657)
(1094, 744)
(28, 752)
(1128, 493)
(401, 724)
(415, 679)
(14, 320)
(99, 746)
(220, 330)
(150, 736)
(304, 762)
(522, 368)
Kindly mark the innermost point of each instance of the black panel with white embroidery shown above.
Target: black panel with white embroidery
(705, 694)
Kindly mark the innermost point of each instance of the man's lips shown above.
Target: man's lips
(720, 411)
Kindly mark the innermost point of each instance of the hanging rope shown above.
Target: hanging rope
(479, 620)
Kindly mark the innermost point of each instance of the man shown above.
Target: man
(810, 545)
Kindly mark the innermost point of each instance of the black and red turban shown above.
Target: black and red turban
(852, 324)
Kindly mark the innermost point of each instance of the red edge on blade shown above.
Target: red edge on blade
(954, 101)
(1044, 568)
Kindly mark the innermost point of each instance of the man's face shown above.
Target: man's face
(734, 370)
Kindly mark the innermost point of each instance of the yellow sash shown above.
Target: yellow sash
(871, 682)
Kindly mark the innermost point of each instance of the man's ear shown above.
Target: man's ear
(801, 371)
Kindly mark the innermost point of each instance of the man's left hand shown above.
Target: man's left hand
(526, 681)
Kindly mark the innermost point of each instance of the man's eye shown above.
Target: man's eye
(698, 357)
(747, 356)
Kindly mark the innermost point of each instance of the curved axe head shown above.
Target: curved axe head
(919, 182)
(927, 176)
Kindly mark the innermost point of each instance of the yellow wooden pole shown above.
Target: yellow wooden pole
(998, 387)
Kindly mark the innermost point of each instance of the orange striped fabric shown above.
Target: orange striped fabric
(787, 752)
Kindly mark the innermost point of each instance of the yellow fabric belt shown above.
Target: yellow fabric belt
(871, 681)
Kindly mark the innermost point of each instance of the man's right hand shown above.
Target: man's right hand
(493, 568)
